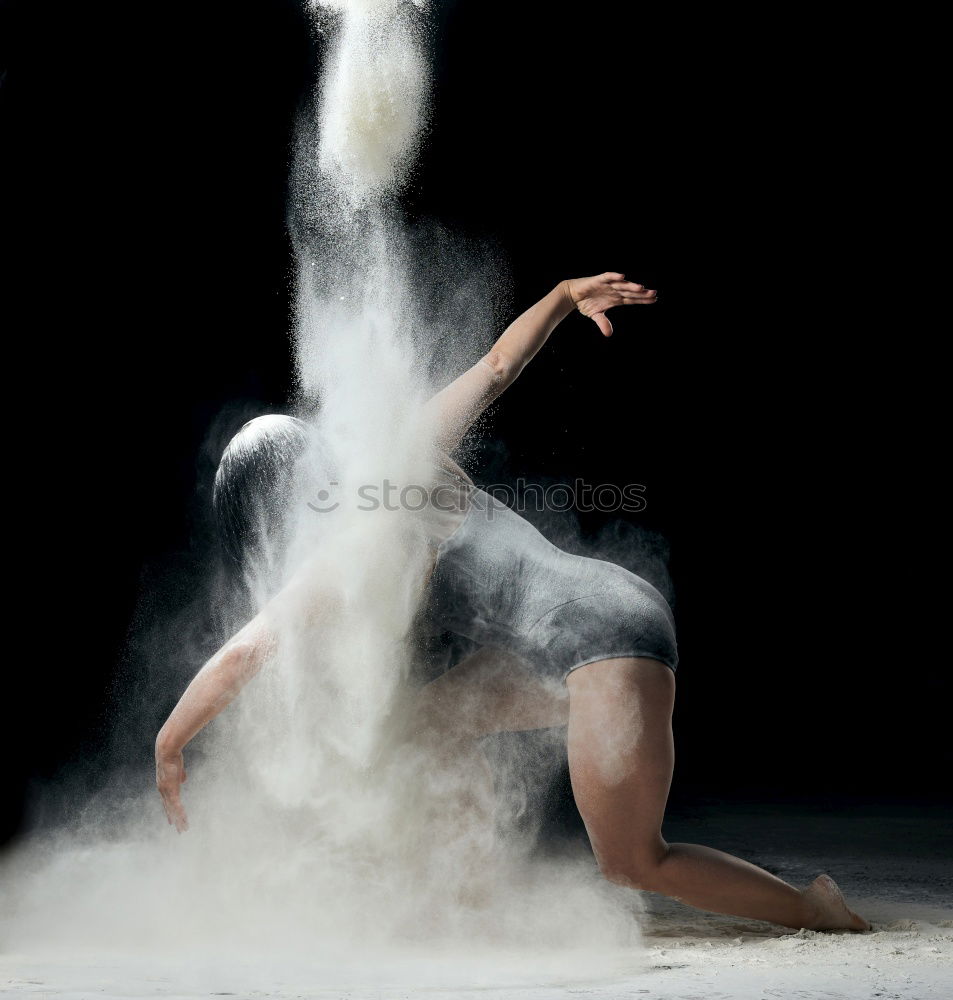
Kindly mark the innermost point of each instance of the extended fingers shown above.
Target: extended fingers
(174, 810)
(170, 801)
(632, 290)
(643, 297)
(176, 813)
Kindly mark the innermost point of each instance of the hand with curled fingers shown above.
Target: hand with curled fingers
(593, 296)
(170, 773)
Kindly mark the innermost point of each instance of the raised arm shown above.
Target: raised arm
(460, 403)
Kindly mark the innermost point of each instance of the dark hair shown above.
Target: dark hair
(253, 489)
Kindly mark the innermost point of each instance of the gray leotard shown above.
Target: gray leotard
(498, 581)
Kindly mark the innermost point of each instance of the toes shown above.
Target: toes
(858, 923)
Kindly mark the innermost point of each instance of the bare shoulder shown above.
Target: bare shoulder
(447, 464)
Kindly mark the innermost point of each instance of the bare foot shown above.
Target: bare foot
(833, 913)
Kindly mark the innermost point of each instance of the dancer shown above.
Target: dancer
(589, 645)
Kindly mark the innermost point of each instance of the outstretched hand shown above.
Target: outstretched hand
(593, 296)
(170, 773)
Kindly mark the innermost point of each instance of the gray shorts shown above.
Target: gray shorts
(498, 581)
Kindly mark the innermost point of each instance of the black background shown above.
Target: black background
(146, 175)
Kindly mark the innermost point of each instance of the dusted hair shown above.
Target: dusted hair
(253, 488)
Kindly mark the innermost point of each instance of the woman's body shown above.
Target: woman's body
(596, 653)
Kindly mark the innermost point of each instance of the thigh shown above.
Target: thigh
(491, 691)
(621, 753)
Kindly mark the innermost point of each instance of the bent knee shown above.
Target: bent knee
(640, 869)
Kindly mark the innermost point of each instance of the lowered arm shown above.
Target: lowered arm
(220, 680)
(211, 689)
